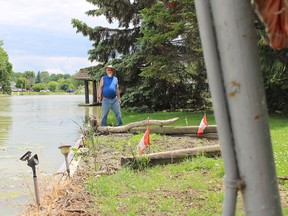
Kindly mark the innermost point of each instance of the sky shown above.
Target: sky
(38, 35)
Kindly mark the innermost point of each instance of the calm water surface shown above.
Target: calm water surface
(38, 124)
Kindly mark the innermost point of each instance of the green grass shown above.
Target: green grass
(185, 118)
(193, 187)
(279, 136)
(161, 190)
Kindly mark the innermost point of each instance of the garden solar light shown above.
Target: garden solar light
(65, 149)
(32, 162)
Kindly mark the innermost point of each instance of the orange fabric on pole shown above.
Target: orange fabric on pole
(202, 126)
(145, 141)
(274, 14)
(147, 136)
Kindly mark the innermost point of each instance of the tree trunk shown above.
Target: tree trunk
(126, 128)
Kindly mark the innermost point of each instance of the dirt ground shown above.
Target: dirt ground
(69, 197)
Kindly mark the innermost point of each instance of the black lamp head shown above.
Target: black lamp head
(33, 161)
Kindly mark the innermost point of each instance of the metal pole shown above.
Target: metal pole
(245, 95)
(36, 186)
(67, 165)
(219, 104)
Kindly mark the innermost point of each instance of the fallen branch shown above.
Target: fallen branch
(126, 128)
(175, 155)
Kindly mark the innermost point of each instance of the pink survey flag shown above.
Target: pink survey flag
(145, 141)
(202, 126)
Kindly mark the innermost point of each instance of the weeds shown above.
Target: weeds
(138, 163)
(169, 190)
(60, 198)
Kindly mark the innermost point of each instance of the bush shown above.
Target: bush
(64, 85)
(52, 86)
(39, 86)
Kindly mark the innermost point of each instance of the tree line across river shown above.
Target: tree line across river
(43, 81)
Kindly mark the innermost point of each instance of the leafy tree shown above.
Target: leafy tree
(71, 86)
(22, 83)
(5, 71)
(30, 76)
(64, 84)
(52, 86)
(66, 76)
(39, 86)
(76, 82)
(44, 76)
(17, 75)
(56, 77)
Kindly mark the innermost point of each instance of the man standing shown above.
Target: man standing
(109, 95)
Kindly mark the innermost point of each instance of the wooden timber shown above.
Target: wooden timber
(175, 130)
(175, 155)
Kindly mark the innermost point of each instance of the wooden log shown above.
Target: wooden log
(205, 135)
(175, 155)
(175, 130)
(126, 128)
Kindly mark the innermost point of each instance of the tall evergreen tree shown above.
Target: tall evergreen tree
(172, 47)
(5, 71)
(110, 43)
(156, 60)
(38, 78)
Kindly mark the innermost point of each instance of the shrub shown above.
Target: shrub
(38, 87)
(52, 86)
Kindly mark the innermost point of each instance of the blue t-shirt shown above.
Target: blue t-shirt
(109, 86)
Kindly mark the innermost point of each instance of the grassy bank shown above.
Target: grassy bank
(193, 187)
(190, 188)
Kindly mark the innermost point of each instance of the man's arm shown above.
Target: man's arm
(100, 90)
(118, 93)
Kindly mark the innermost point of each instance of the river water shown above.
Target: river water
(38, 124)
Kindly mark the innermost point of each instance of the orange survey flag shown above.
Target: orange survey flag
(145, 141)
(202, 126)
(274, 13)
